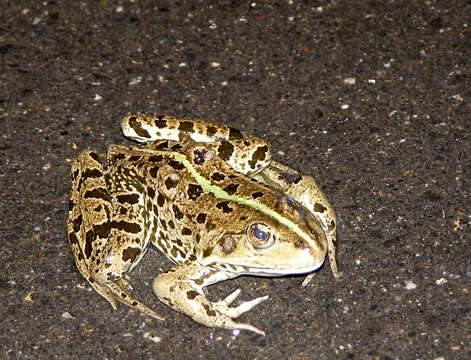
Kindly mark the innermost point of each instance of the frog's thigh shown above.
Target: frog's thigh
(100, 259)
(178, 289)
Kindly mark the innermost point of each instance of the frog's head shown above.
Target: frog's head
(284, 239)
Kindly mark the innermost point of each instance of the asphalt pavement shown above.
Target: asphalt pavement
(372, 98)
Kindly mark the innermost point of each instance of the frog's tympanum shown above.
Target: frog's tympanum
(209, 198)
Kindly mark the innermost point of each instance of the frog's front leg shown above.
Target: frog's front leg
(305, 191)
(181, 288)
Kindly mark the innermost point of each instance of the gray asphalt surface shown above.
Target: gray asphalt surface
(372, 98)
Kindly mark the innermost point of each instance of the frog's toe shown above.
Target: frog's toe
(249, 328)
(123, 283)
(224, 305)
(126, 298)
(229, 299)
(308, 279)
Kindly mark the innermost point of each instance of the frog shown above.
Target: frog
(208, 197)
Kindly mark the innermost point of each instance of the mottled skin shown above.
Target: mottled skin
(210, 199)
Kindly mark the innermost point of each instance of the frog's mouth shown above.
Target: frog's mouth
(267, 271)
(281, 272)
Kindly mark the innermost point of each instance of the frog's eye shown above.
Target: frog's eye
(260, 236)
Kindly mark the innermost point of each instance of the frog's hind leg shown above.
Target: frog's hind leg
(91, 235)
(246, 154)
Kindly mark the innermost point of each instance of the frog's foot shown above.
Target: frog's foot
(223, 306)
(114, 292)
(182, 289)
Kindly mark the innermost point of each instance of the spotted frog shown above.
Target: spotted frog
(209, 198)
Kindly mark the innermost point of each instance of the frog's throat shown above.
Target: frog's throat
(221, 194)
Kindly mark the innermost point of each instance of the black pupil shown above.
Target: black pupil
(259, 234)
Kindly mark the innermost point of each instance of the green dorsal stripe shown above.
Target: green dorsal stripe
(221, 194)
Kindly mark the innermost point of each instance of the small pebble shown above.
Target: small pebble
(154, 338)
(67, 315)
(349, 81)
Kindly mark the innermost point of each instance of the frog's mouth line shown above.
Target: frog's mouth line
(264, 271)
(281, 272)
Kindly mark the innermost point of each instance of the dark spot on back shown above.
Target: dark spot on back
(73, 238)
(211, 130)
(102, 230)
(259, 155)
(89, 238)
(235, 134)
(186, 126)
(129, 227)
(136, 126)
(217, 176)
(225, 150)
(77, 222)
(160, 199)
(199, 156)
(224, 206)
(92, 173)
(192, 294)
(318, 207)
(131, 253)
(160, 123)
(177, 212)
(176, 147)
(134, 158)
(154, 171)
(257, 194)
(155, 158)
(194, 191)
(231, 188)
(163, 224)
(128, 198)
(162, 146)
(171, 182)
(98, 193)
(176, 165)
(186, 231)
(201, 218)
(150, 192)
(207, 251)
